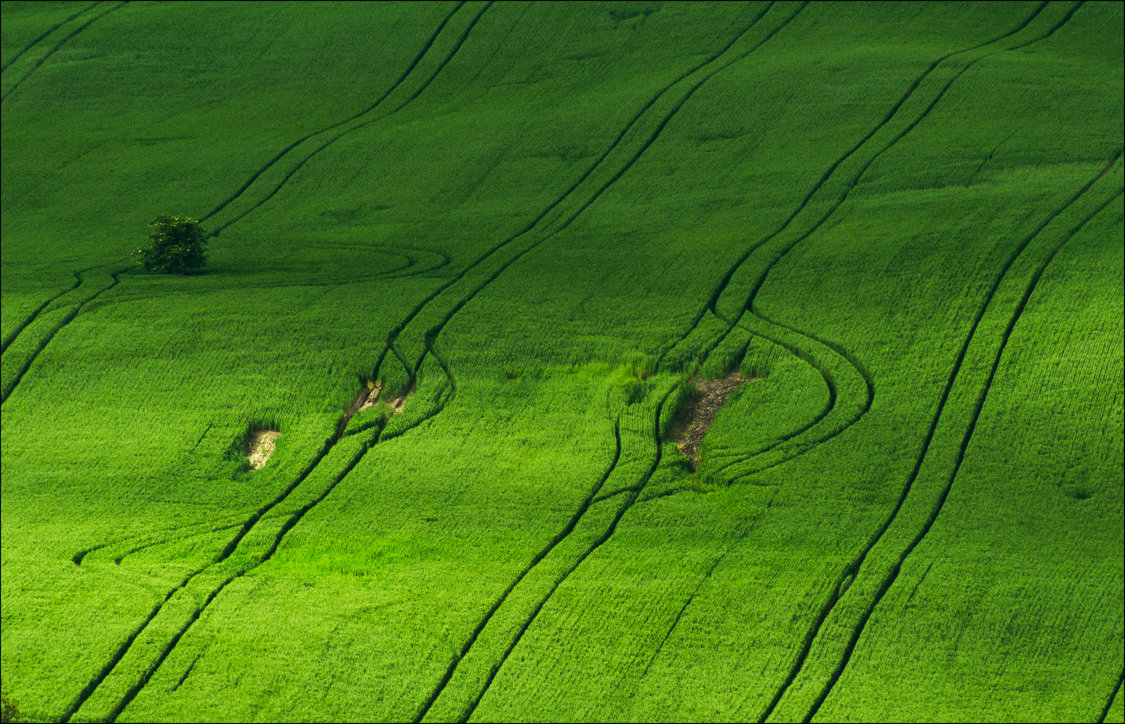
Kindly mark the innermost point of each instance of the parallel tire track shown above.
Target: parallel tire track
(853, 567)
(269, 164)
(295, 517)
(58, 45)
(427, 46)
(11, 387)
(35, 314)
(601, 539)
(1116, 692)
(393, 335)
(840, 350)
(47, 32)
(434, 331)
(712, 302)
(453, 51)
(292, 521)
(725, 280)
(892, 576)
(559, 537)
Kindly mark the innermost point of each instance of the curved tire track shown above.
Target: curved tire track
(56, 47)
(35, 314)
(712, 302)
(453, 51)
(281, 154)
(892, 575)
(11, 386)
(47, 32)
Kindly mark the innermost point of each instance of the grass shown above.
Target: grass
(546, 219)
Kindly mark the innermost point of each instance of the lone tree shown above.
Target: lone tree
(176, 246)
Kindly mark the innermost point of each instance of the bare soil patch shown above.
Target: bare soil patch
(700, 410)
(369, 397)
(259, 447)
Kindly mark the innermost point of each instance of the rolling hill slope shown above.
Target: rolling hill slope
(538, 225)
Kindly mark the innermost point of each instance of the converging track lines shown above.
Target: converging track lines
(35, 314)
(892, 576)
(58, 45)
(11, 386)
(853, 568)
(837, 349)
(45, 33)
(297, 166)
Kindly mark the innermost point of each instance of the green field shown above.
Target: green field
(540, 225)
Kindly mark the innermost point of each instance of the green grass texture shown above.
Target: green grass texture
(541, 224)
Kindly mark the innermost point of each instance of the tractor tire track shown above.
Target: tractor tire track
(295, 517)
(7, 392)
(750, 305)
(47, 32)
(229, 549)
(804, 355)
(292, 521)
(11, 386)
(559, 537)
(269, 164)
(1116, 692)
(599, 541)
(329, 142)
(712, 302)
(58, 45)
(892, 575)
(35, 314)
(725, 280)
(434, 331)
(398, 329)
(852, 569)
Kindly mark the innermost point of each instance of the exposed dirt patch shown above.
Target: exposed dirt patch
(259, 447)
(369, 397)
(700, 410)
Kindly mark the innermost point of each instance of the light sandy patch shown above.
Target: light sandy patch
(367, 396)
(260, 446)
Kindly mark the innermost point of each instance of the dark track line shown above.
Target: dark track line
(11, 387)
(164, 541)
(329, 142)
(254, 177)
(124, 648)
(32, 317)
(621, 172)
(581, 559)
(294, 519)
(1112, 697)
(826, 376)
(839, 349)
(58, 45)
(233, 544)
(853, 567)
(680, 614)
(712, 303)
(434, 331)
(890, 579)
(187, 673)
(47, 32)
(397, 330)
(716, 294)
(119, 654)
(559, 537)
